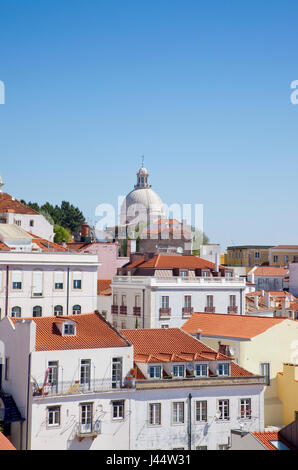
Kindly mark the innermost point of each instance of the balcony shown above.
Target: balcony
(114, 309)
(233, 309)
(137, 311)
(164, 312)
(88, 430)
(210, 309)
(123, 310)
(77, 388)
(187, 312)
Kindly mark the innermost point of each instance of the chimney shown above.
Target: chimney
(198, 334)
(267, 299)
(252, 278)
(256, 302)
(85, 233)
(131, 247)
(216, 263)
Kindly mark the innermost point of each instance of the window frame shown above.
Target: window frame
(203, 411)
(53, 411)
(176, 413)
(154, 422)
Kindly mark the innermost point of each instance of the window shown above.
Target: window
(224, 368)
(164, 301)
(31, 223)
(223, 447)
(265, 370)
(187, 301)
(275, 258)
(179, 371)
(6, 372)
(37, 311)
(165, 325)
(77, 280)
(178, 412)
(69, 329)
(183, 273)
(286, 259)
(232, 300)
(17, 280)
(53, 415)
(137, 301)
(257, 255)
(123, 300)
(76, 309)
(58, 310)
(58, 280)
(53, 374)
(224, 409)
(123, 325)
(201, 410)
(115, 299)
(86, 413)
(116, 372)
(37, 283)
(155, 372)
(18, 223)
(201, 370)
(85, 373)
(202, 448)
(205, 273)
(210, 301)
(118, 409)
(16, 311)
(155, 414)
(228, 274)
(245, 408)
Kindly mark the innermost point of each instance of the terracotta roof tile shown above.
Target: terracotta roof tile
(10, 204)
(171, 262)
(5, 444)
(267, 436)
(92, 332)
(104, 286)
(270, 271)
(227, 325)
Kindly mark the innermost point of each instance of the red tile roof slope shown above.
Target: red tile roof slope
(92, 332)
(8, 203)
(234, 326)
(4, 247)
(174, 345)
(5, 444)
(285, 247)
(267, 436)
(175, 261)
(270, 271)
(104, 286)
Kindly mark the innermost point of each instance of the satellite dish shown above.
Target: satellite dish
(179, 249)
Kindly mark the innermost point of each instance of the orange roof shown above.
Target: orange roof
(227, 325)
(285, 247)
(270, 271)
(5, 444)
(4, 247)
(92, 332)
(173, 261)
(104, 286)
(267, 436)
(10, 204)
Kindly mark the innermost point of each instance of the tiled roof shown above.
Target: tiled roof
(171, 262)
(4, 247)
(104, 286)
(92, 332)
(267, 436)
(10, 204)
(5, 444)
(285, 247)
(270, 271)
(227, 325)
(174, 345)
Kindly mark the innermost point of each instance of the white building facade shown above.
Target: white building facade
(156, 302)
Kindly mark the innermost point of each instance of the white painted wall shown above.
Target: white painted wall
(41, 227)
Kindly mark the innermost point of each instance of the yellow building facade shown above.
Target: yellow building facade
(247, 255)
(287, 385)
(282, 255)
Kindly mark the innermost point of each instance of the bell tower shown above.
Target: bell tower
(142, 177)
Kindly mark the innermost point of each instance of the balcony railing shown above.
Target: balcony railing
(153, 281)
(75, 387)
(123, 310)
(137, 311)
(210, 309)
(91, 430)
(114, 309)
(164, 312)
(187, 311)
(233, 309)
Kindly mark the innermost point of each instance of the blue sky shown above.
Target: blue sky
(200, 88)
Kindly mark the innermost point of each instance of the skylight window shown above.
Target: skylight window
(69, 329)
(279, 445)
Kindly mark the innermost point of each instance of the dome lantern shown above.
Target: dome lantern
(142, 177)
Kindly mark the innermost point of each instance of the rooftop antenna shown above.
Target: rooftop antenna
(1, 184)
(142, 161)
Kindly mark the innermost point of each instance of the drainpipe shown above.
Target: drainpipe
(143, 308)
(6, 291)
(28, 400)
(67, 293)
(189, 421)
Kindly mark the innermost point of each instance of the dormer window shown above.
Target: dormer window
(154, 372)
(179, 371)
(201, 370)
(224, 368)
(69, 329)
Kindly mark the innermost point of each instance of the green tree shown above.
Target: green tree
(61, 234)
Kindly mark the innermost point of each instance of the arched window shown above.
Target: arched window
(76, 309)
(37, 311)
(16, 311)
(58, 310)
